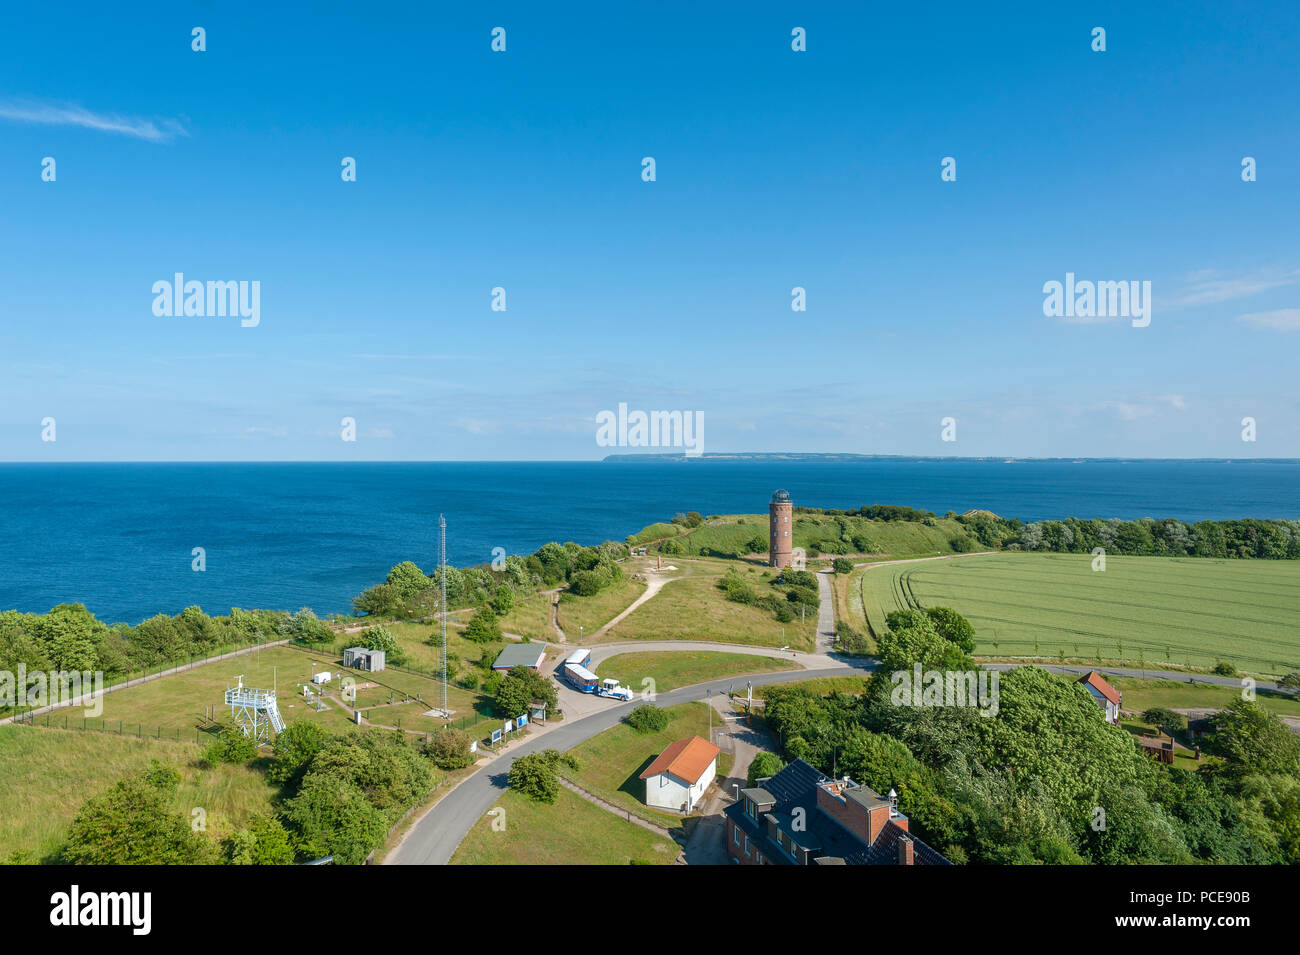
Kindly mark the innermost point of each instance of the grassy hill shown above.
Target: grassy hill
(691, 607)
(736, 535)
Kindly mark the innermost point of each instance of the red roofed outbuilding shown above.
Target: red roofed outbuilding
(680, 774)
(1106, 695)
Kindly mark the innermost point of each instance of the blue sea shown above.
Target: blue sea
(119, 537)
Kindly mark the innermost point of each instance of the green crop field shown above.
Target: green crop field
(1139, 610)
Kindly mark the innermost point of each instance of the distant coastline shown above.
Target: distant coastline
(815, 456)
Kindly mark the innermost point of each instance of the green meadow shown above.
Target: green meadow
(46, 774)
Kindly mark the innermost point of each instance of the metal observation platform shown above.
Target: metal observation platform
(255, 712)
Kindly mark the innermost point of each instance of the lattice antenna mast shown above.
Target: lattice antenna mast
(442, 564)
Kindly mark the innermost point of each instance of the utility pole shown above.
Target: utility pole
(442, 565)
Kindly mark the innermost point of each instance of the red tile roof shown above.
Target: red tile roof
(1094, 680)
(687, 759)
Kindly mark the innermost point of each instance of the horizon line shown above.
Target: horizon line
(670, 458)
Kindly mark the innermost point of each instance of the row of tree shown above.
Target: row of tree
(1266, 540)
(70, 638)
(408, 590)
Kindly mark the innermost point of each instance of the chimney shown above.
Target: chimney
(905, 851)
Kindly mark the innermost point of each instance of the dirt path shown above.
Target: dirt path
(654, 584)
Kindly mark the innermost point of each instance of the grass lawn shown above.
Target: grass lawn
(571, 831)
(610, 763)
(177, 703)
(671, 669)
(691, 607)
(823, 686)
(45, 776)
(1148, 611)
(592, 613)
(530, 617)
(1142, 694)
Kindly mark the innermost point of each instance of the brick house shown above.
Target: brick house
(803, 817)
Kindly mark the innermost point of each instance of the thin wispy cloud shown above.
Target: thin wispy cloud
(1279, 320)
(49, 114)
(1209, 286)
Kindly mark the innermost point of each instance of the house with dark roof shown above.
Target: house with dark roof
(1107, 697)
(803, 817)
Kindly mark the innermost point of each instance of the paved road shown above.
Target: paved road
(825, 613)
(433, 839)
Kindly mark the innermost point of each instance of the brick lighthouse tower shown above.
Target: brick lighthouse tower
(780, 551)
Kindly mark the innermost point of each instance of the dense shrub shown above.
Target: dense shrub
(230, 746)
(135, 823)
(647, 718)
(449, 749)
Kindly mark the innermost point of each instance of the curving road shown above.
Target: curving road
(433, 839)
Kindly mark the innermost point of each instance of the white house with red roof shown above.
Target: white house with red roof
(681, 774)
(1107, 697)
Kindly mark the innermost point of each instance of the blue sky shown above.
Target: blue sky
(522, 169)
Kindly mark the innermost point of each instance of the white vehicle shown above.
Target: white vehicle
(614, 690)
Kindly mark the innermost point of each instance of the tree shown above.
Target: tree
(921, 643)
(1165, 718)
(230, 746)
(382, 600)
(519, 687)
(953, 626)
(842, 565)
(68, 635)
(764, 765)
(381, 638)
(134, 823)
(648, 718)
(408, 580)
(503, 601)
(449, 749)
(157, 640)
(263, 842)
(294, 749)
(483, 627)
(1253, 740)
(331, 815)
(537, 774)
